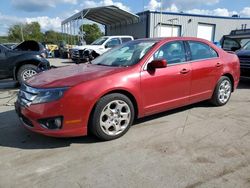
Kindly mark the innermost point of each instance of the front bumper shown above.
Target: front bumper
(72, 126)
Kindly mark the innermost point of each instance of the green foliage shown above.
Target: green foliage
(14, 33)
(90, 32)
(31, 31)
(52, 37)
(4, 39)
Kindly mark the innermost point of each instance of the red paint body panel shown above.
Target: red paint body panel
(153, 91)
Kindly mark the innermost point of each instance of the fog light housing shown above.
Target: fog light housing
(53, 123)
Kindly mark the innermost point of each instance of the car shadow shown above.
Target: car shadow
(8, 84)
(68, 62)
(13, 135)
(204, 104)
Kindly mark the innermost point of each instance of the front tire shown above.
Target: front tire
(222, 92)
(112, 117)
(25, 72)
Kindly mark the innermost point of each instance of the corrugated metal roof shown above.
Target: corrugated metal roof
(106, 15)
(195, 15)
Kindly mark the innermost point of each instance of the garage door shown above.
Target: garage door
(169, 31)
(206, 31)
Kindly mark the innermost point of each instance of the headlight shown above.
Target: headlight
(49, 95)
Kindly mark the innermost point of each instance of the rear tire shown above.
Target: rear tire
(222, 92)
(112, 117)
(25, 72)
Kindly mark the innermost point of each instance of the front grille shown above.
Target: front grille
(26, 95)
(244, 59)
(78, 54)
(75, 54)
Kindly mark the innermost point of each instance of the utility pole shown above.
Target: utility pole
(21, 28)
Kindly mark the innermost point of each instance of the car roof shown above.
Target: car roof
(165, 39)
(119, 36)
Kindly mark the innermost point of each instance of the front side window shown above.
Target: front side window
(201, 50)
(173, 52)
(113, 42)
(99, 41)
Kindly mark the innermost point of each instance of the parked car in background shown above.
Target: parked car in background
(10, 45)
(136, 79)
(238, 41)
(244, 56)
(98, 47)
(23, 61)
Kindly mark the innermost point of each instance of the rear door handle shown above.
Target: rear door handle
(219, 64)
(184, 71)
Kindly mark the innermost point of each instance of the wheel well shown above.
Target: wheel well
(127, 94)
(36, 63)
(231, 79)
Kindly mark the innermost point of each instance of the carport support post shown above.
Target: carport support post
(65, 33)
(74, 32)
(62, 30)
(77, 26)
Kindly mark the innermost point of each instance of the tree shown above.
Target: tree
(31, 31)
(14, 33)
(52, 37)
(90, 32)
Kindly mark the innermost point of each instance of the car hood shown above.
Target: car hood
(243, 53)
(71, 75)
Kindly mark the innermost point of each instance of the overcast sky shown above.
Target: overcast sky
(50, 13)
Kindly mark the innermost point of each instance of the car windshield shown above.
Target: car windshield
(99, 41)
(125, 55)
(247, 46)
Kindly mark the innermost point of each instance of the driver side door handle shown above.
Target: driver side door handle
(184, 71)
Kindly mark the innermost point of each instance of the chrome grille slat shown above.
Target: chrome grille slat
(26, 95)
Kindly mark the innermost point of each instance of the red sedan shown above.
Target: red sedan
(134, 80)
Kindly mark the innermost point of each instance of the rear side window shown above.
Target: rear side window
(172, 52)
(201, 50)
(126, 39)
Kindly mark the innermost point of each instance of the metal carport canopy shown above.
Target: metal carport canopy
(106, 15)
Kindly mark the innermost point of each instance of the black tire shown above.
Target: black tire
(22, 69)
(215, 100)
(95, 126)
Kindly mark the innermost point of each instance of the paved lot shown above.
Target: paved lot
(195, 146)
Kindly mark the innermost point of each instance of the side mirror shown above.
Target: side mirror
(157, 64)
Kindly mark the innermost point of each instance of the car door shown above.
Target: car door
(4, 71)
(169, 87)
(206, 68)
